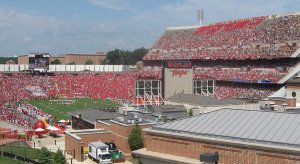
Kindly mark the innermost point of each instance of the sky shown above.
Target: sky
(89, 26)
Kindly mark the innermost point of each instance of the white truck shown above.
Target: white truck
(99, 151)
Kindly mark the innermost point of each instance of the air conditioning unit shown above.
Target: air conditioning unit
(132, 121)
(140, 120)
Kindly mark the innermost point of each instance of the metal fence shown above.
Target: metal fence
(30, 155)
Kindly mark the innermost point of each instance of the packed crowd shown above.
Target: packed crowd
(151, 72)
(246, 91)
(231, 40)
(30, 111)
(12, 117)
(104, 85)
(232, 74)
(15, 87)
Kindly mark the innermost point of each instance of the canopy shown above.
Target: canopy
(52, 128)
(39, 130)
(62, 121)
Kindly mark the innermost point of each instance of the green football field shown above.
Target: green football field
(56, 108)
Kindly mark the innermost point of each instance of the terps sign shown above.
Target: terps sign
(179, 64)
(179, 72)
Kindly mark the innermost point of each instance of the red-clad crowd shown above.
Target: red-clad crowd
(151, 72)
(10, 115)
(15, 87)
(232, 74)
(254, 38)
(238, 90)
(103, 85)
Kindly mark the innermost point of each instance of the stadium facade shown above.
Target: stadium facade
(247, 58)
(254, 58)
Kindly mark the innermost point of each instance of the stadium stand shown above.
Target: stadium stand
(254, 38)
(18, 86)
(246, 57)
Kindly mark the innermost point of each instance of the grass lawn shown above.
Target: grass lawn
(60, 111)
(29, 153)
(7, 160)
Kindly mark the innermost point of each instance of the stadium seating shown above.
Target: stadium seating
(20, 86)
(253, 38)
(227, 90)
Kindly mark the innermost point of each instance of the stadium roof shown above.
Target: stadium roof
(169, 108)
(91, 115)
(243, 126)
(203, 100)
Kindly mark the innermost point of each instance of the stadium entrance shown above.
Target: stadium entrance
(204, 87)
(147, 92)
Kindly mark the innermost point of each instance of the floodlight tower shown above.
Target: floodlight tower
(200, 15)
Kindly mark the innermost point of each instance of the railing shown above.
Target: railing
(12, 136)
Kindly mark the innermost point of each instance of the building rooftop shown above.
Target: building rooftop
(243, 126)
(91, 115)
(169, 108)
(203, 100)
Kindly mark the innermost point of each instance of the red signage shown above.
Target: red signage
(179, 64)
(179, 72)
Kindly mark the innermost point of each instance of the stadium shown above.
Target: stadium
(250, 59)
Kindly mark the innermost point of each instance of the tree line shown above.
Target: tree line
(118, 57)
(125, 57)
(3, 60)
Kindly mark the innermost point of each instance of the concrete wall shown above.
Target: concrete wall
(178, 81)
(293, 88)
(67, 68)
(229, 154)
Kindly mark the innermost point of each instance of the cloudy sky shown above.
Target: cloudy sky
(87, 26)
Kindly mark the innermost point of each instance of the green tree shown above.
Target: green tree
(3, 60)
(59, 157)
(89, 62)
(45, 155)
(56, 61)
(104, 61)
(117, 56)
(135, 139)
(139, 53)
(191, 112)
(72, 63)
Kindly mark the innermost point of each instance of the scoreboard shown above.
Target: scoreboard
(38, 62)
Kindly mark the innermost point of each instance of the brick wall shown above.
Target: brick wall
(75, 144)
(62, 59)
(119, 135)
(72, 144)
(23, 59)
(228, 154)
(78, 59)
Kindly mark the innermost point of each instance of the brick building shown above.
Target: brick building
(111, 129)
(23, 59)
(239, 136)
(77, 140)
(78, 59)
(114, 127)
